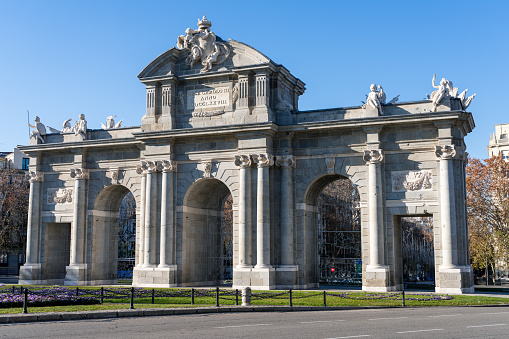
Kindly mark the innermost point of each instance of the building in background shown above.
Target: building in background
(499, 141)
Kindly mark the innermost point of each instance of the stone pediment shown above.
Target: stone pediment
(173, 61)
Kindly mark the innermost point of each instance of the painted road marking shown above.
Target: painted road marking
(434, 329)
(388, 318)
(486, 325)
(319, 321)
(352, 336)
(445, 315)
(251, 325)
(496, 313)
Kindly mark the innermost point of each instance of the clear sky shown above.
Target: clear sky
(62, 58)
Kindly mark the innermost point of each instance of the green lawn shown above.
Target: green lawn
(299, 298)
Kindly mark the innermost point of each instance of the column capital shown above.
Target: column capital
(168, 166)
(373, 156)
(34, 176)
(285, 161)
(79, 173)
(263, 159)
(243, 161)
(445, 152)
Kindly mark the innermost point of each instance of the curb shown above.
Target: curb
(144, 312)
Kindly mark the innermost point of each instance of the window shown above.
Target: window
(24, 165)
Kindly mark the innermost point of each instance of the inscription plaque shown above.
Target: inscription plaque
(212, 98)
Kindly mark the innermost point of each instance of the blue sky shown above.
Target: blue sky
(62, 58)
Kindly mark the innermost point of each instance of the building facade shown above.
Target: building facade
(499, 142)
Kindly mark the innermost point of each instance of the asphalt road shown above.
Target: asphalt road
(439, 322)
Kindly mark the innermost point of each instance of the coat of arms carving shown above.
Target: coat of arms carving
(203, 46)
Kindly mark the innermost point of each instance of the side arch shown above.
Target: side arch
(105, 234)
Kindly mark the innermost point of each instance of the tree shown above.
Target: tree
(488, 211)
(13, 209)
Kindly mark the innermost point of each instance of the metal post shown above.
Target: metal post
(102, 294)
(403, 297)
(217, 296)
(77, 291)
(237, 297)
(324, 299)
(25, 301)
(291, 303)
(153, 293)
(13, 289)
(192, 296)
(20, 289)
(132, 299)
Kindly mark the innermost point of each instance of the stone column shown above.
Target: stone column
(79, 229)
(167, 119)
(150, 256)
(286, 162)
(374, 159)
(34, 219)
(262, 90)
(167, 243)
(244, 164)
(142, 170)
(243, 100)
(445, 154)
(264, 162)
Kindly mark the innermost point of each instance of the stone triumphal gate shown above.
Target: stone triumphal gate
(222, 118)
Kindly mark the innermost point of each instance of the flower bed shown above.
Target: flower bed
(59, 296)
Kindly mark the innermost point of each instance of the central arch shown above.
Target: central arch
(333, 219)
(203, 240)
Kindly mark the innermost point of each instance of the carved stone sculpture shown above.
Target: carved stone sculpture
(110, 123)
(411, 180)
(445, 152)
(60, 196)
(180, 97)
(39, 130)
(331, 163)
(243, 161)
(373, 156)
(66, 126)
(285, 161)
(375, 99)
(202, 46)
(34, 176)
(263, 159)
(79, 173)
(446, 89)
(80, 127)
(168, 166)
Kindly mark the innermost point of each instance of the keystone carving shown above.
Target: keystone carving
(206, 168)
(330, 163)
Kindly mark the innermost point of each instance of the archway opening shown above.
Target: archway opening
(339, 233)
(417, 252)
(126, 239)
(207, 237)
(108, 212)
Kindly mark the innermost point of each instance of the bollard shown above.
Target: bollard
(324, 299)
(192, 296)
(132, 299)
(237, 297)
(102, 294)
(217, 296)
(403, 297)
(77, 291)
(25, 301)
(291, 303)
(246, 296)
(13, 289)
(153, 295)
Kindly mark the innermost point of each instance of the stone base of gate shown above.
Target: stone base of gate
(256, 278)
(455, 280)
(76, 275)
(287, 276)
(376, 279)
(155, 276)
(30, 274)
